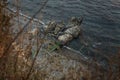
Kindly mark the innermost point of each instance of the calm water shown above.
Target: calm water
(101, 24)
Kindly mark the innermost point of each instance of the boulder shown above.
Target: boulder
(62, 33)
(65, 38)
(74, 31)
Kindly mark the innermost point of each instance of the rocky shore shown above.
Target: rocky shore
(62, 64)
(32, 50)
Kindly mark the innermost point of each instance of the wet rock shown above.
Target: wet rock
(58, 28)
(74, 31)
(50, 27)
(64, 33)
(65, 38)
(76, 21)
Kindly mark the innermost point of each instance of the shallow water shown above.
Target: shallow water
(101, 24)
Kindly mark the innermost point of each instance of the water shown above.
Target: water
(101, 24)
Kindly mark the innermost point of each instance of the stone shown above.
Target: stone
(61, 33)
(76, 21)
(50, 27)
(58, 28)
(65, 38)
(74, 31)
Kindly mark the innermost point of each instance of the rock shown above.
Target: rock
(62, 33)
(51, 26)
(58, 28)
(74, 31)
(76, 21)
(65, 38)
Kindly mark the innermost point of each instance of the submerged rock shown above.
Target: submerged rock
(65, 38)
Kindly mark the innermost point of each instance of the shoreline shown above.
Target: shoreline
(72, 53)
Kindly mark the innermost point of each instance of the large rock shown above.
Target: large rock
(62, 33)
(65, 38)
(74, 31)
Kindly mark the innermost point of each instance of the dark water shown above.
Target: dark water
(101, 24)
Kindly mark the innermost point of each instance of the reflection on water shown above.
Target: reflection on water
(101, 24)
